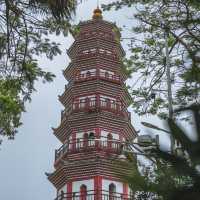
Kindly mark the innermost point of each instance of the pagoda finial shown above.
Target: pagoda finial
(97, 13)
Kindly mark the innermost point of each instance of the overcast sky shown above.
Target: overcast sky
(25, 160)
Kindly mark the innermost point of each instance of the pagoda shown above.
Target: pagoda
(95, 124)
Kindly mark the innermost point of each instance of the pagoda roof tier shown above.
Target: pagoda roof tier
(98, 32)
(96, 24)
(82, 45)
(90, 167)
(92, 87)
(77, 66)
(82, 121)
(76, 150)
(97, 53)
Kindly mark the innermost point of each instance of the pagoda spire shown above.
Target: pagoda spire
(97, 13)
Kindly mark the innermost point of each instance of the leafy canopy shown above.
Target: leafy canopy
(179, 19)
(175, 174)
(24, 30)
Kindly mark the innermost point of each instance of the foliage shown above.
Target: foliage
(24, 34)
(187, 162)
(151, 182)
(174, 175)
(75, 30)
(180, 22)
(140, 182)
(117, 34)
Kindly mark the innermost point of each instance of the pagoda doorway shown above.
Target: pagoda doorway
(83, 192)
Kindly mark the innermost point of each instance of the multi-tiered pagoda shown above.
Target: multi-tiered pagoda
(95, 124)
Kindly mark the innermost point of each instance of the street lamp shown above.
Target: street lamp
(175, 148)
(143, 147)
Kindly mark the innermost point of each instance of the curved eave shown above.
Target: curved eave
(60, 132)
(124, 94)
(122, 50)
(67, 72)
(71, 51)
(101, 21)
(58, 177)
(127, 95)
(90, 167)
(66, 126)
(70, 70)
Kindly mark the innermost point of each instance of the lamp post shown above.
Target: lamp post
(143, 146)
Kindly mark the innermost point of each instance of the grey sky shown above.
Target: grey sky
(24, 160)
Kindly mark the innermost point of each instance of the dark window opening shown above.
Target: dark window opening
(112, 191)
(83, 192)
(88, 74)
(91, 135)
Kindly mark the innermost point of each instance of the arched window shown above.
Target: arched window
(110, 138)
(106, 74)
(91, 135)
(85, 140)
(112, 191)
(91, 139)
(88, 74)
(83, 192)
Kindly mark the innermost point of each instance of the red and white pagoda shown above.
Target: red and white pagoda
(95, 124)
